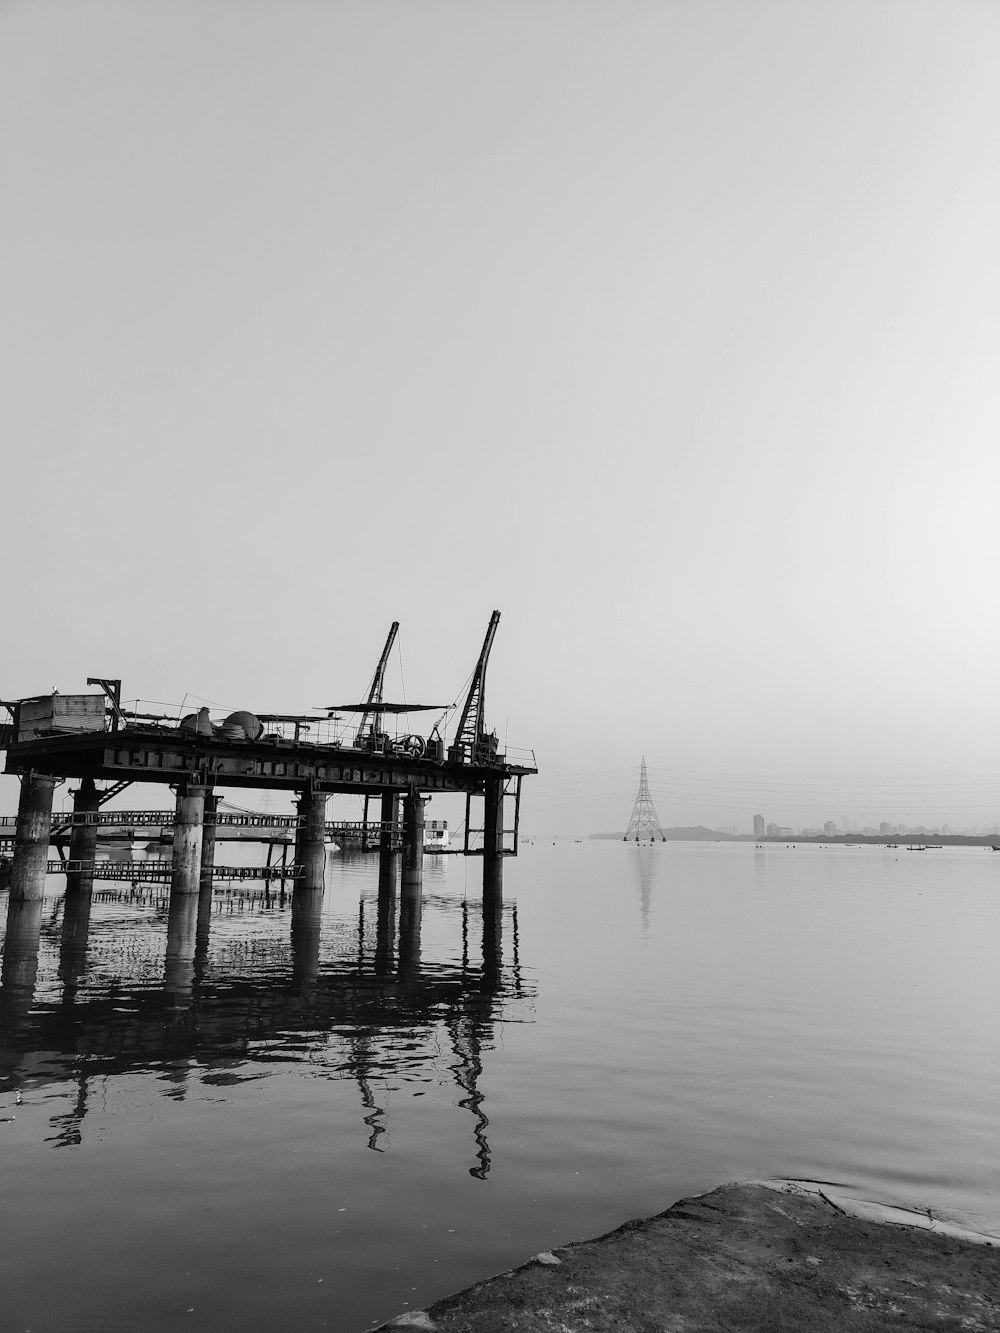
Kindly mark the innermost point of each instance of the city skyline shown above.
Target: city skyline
(726, 801)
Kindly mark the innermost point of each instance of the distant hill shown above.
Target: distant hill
(697, 833)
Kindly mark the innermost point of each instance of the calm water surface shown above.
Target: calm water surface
(317, 1123)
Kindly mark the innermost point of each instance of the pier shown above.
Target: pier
(104, 747)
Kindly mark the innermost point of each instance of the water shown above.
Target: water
(303, 1128)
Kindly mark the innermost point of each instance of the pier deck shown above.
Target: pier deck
(135, 754)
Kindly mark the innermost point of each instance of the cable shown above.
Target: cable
(399, 652)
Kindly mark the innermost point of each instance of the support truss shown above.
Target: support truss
(644, 822)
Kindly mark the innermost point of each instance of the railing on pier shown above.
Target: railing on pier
(134, 819)
(163, 870)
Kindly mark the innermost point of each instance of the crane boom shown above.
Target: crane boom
(471, 743)
(371, 718)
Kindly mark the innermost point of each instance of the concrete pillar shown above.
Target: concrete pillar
(492, 882)
(388, 881)
(388, 814)
(83, 838)
(411, 894)
(413, 841)
(189, 819)
(364, 822)
(208, 844)
(385, 926)
(31, 837)
(310, 841)
(492, 842)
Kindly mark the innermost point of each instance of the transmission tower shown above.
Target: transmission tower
(644, 820)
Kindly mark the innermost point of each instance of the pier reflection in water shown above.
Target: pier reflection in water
(122, 983)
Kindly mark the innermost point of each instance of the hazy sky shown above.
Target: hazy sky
(670, 329)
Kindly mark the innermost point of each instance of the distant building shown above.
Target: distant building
(435, 835)
(884, 827)
(758, 826)
(830, 829)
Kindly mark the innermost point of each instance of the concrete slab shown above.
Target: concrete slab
(775, 1256)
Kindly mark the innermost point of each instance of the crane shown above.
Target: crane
(472, 743)
(371, 734)
(371, 719)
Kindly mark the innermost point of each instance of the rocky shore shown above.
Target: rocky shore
(775, 1256)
